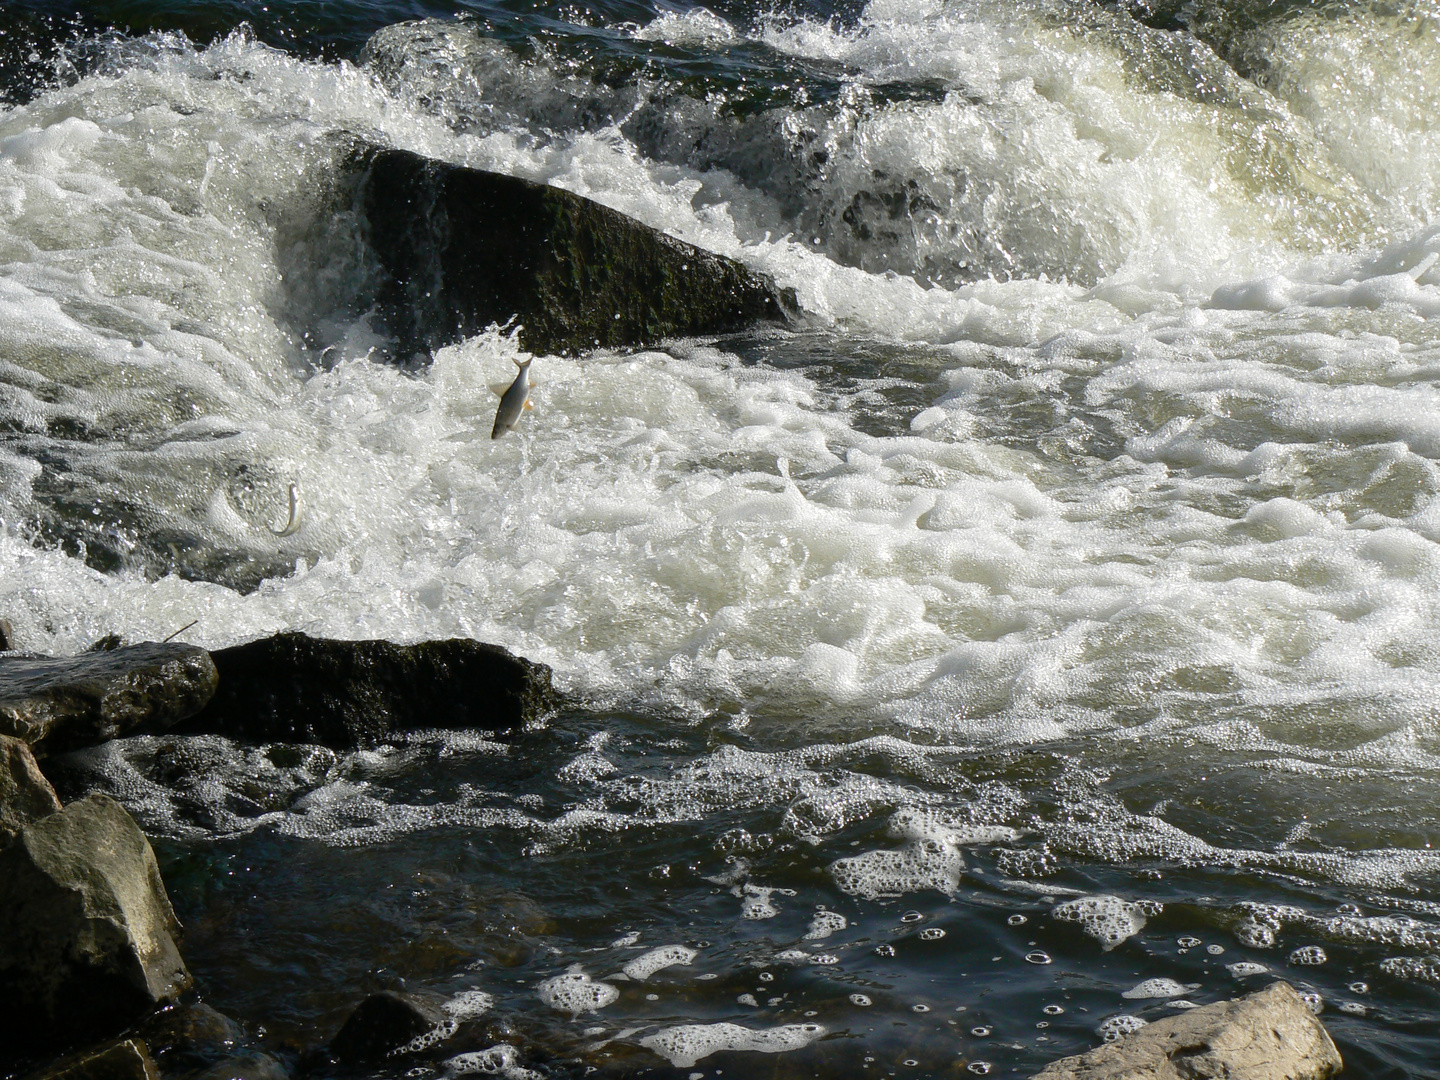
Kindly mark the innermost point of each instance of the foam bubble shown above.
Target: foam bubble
(1117, 1027)
(575, 992)
(1156, 988)
(500, 1060)
(1308, 955)
(1108, 919)
(683, 1046)
(1425, 969)
(1243, 969)
(646, 964)
(824, 924)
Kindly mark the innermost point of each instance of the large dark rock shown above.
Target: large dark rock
(466, 248)
(126, 1059)
(25, 794)
(64, 703)
(385, 1023)
(87, 934)
(1268, 1035)
(295, 688)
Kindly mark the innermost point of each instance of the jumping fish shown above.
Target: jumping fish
(293, 525)
(513, 402)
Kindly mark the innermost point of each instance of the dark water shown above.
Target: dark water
(1077, 553)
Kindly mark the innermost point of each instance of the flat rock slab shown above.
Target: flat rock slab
(64, 703)
(466, 248)
(25, 794)
(343, 694)
(87, 934)
(1268, 1035)
(127, 1059)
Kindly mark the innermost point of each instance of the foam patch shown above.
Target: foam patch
(575, 992)
(1157, 988)
(1118, 1027)
(824, 924)
(685, 1045)
(1108, 919)
(646, 964)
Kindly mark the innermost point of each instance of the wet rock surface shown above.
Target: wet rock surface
(384, 1023)
(25, 794)
(295, 688)
(64, 703)
(245, 1067)
(87, 933)
(466, 248)
(1269, 1035)
(189, 1036)
(126, 1059)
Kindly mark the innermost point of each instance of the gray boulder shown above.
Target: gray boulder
(64, 703)
(1268, 1035)
(465, 248)
(87, 934)
(295, 688)
(25, 794)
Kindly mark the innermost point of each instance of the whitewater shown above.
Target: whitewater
(1080, 539)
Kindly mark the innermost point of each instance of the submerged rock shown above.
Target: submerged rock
(1269, 1035)
(388, 1023)
(64, 703)
(466, 248)
(189, 1036)
(25, 794)
(87, 934)
(252, 1066)
(127, 1059)
(295, 688)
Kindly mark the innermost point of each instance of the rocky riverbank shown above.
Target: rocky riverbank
(93, 984)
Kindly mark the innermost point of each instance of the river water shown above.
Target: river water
(1052, 609)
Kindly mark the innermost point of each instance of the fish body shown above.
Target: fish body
(513, 402)
(292, 526)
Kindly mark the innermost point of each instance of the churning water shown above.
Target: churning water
(1039, 636)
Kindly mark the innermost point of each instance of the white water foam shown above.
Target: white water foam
(687, 1044)
(1178, 513)
(647, 964)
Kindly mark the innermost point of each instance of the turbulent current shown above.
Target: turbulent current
(1037, 636)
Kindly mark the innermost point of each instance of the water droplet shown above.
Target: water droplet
(1359, 988)
(1053, 1010)
(982, 1031)
(1017, 920)
(1038, 957)
(860, 999)
(980, 1068)
(920, 1008)
(911, 916)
